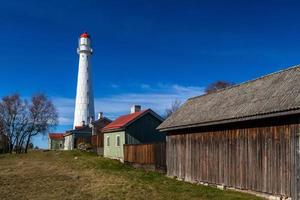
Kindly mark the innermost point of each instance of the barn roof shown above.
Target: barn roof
(272, 95)
(123, 121)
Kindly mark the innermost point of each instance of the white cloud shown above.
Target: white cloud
(157, 97)
(65, 108)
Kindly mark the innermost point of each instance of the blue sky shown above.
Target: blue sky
(145, 52)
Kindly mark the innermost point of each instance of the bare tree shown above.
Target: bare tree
(13, 118)
(217, 86)
(174, 107)
(20, 121)
(43, 116)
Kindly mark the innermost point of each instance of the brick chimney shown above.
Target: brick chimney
(100, 115)
(135, 108)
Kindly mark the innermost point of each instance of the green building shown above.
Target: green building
(136, 128)
(56, 141)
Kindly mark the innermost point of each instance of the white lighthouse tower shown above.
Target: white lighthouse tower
(84, 108)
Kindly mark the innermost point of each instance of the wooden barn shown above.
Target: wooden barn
(245, 137)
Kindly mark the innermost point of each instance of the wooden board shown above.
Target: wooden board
(146, 154)
(258, 158)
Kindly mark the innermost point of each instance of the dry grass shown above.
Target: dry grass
(57, 175)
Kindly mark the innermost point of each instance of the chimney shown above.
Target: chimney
(135, 108)
(91, 119)
(91, 122)
(100, 115)
(83, 123)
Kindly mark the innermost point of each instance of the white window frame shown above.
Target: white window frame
(118, 136)
(107, 141)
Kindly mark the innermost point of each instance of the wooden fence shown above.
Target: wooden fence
(146, 154)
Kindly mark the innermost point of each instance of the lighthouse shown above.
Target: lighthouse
(84, 107)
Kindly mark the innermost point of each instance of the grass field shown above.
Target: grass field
(76, 175)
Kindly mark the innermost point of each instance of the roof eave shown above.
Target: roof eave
(113, 130)
(56, 138)
(233, 120)
(68, 133)
(150, 111)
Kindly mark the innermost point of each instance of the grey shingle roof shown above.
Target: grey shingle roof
(271, 95)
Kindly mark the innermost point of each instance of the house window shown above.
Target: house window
(118, 141)
(107, 141)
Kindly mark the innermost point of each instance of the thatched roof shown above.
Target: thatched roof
(275, 94)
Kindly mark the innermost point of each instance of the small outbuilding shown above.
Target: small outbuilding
(246, 136)
(138, 127)
(79, 135)
(56, 141)
(87, 134)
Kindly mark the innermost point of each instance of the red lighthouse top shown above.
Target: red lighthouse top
(85, 35)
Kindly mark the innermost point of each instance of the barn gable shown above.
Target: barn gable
(272, 95)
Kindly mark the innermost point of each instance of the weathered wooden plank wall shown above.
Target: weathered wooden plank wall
(259, 159)
(85, 139)
(296, 174)
(97, 141)
(146, 154)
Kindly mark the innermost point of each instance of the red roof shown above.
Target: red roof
(85, 35)
(122, 121)
(56, 136)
